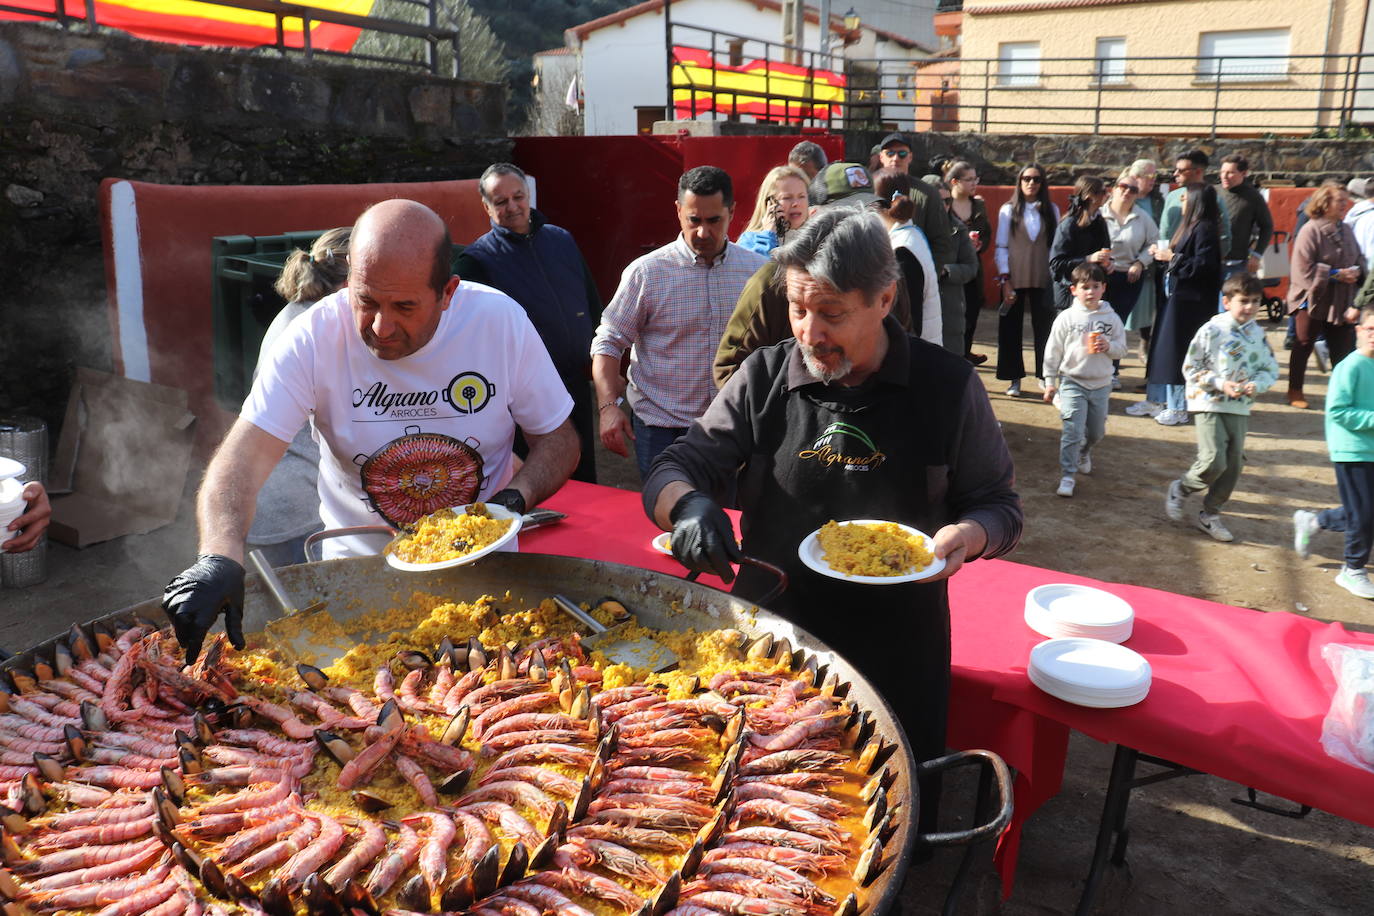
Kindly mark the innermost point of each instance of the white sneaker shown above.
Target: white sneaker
(1304, 526)
(1213, 526)
(1172, 418)
(1116, 383)
(1173, 500)
(1085, 463)
(1323, 354)
(1065, 486)
(1144, 409)
(1355, 581)
(1014, 390)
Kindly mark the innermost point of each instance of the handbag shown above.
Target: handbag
(1274, 262)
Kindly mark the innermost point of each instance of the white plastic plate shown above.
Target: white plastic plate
(10, 468)
(660, 542)
(496, 512)
(1091, 665)
(810, 552)
(1068, 695)
(1080, 605)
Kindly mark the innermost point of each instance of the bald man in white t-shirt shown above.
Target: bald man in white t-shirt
(415, 384)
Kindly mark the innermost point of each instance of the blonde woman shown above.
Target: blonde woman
(288, 508)
(781, 206)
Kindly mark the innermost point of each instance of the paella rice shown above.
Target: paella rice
(448, 535)
(873, 549)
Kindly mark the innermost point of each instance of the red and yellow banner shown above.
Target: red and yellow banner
(764, 89)
(191, 22)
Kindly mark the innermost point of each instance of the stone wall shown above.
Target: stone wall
(998, 156)
(76, 108)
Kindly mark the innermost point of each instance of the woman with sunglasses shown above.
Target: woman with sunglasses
(1132, 232)
(1081, 237)
(972, 213)
(1025, 226)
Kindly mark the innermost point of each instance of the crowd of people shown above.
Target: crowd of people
(819, 366)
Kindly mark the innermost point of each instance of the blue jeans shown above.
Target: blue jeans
(1171, 396)
(1084, 412)
(1355, 481)
(650, 440)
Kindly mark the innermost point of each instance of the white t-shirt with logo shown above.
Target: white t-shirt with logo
(400, 438)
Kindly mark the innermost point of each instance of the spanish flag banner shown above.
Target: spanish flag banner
(191, 22)
(764, 89)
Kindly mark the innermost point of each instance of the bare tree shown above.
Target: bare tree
(481, 54)
(548, 114)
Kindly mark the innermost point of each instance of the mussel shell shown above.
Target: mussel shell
(558, 820)
(76, 742)
(507, 669)
(445, 650)
(581, 706)
(188, 859)
(320, 899)
(477, 655)
(457, 727)
(760, 647)
(14, 823)
(10, 889)
(414, 895)
(877, 784)
(870, 864)
(43, 670)
(517, 863)
(163, 833)
(337, 748)
(875, 753)
(877, 810)
(93, 717)
(543, 853)
(583, 800)
(313, 677)
(31, 790)
(14, 908)
(174, 784)
(606, 748)
(167, 813)
(48, 768)
(711, 832)
(667, 895)
(369, 802)
(239, 716)
(414, 659)
(275, 900)
(849, 906)
(485, 873)
(238, 888)
(355, 896)
(692, 860)
(457, 896)
(390, 717)
(596, 773)
(204, 733)
(539, 667)
(733, 727)
(63, 659)
(725, 778)
(456, 782)
(10, 852)
(189, 759)
(213, 706)
(81, 645)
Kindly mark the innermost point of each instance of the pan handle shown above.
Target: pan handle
(343, 533)
(269, 578)
(570, 608)
(984, 831)
(764, 565)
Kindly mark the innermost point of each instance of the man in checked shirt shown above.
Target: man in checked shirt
(670, 311)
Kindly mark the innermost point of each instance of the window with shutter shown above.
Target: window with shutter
(1018, 63)
(1249, 56)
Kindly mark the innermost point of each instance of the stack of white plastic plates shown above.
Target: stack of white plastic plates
(1060, 611)
(1090, 672)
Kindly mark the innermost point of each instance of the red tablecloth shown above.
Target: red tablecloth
(1236, 693)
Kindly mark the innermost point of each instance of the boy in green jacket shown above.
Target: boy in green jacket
(1350, 439)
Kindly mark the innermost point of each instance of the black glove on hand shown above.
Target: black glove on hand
(703, 538)
(194, 599)
(510, 498)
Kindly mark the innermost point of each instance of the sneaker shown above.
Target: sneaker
(1304, 526)
(1085, 463)
(976, 359)
(1173, 500)
(1323, 354)
(1116, 383)
(1144, 409)
(1014, 390)
(1213, 526)
(1065, 486)
(1355, 581)
(1172, 418)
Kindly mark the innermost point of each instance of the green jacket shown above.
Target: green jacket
(1350, 409)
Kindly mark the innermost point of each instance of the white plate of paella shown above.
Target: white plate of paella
(870, 551)
(453, 537)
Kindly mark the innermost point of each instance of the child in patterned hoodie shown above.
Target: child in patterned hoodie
(1228, 363)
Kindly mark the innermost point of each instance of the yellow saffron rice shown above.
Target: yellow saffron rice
(448, 535)
(881, 549)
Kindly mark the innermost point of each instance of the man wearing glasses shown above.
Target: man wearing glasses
(930, 217)
(1189, 168)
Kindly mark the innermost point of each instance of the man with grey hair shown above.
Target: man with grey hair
(850, 418)
(809, 157)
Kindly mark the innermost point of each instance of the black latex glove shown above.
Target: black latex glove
(510, 498)
(703, 539)
(194, 599)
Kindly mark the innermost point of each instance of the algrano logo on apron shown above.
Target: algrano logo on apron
(830, 448)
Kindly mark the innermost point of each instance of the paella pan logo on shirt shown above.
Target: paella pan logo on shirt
(469, 392)
(832, 448)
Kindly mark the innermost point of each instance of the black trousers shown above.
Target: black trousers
(583, 420)
(1340, 342)
(1355, 481)
(973, 304)
(1011, 367)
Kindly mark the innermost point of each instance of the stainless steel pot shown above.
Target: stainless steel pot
(356, 586)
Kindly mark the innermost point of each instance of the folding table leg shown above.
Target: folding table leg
(1113, 822)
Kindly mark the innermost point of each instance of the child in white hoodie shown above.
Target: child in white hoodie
(1228, 363)
(1084, 340)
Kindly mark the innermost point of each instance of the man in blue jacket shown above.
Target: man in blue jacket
(539, 266)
